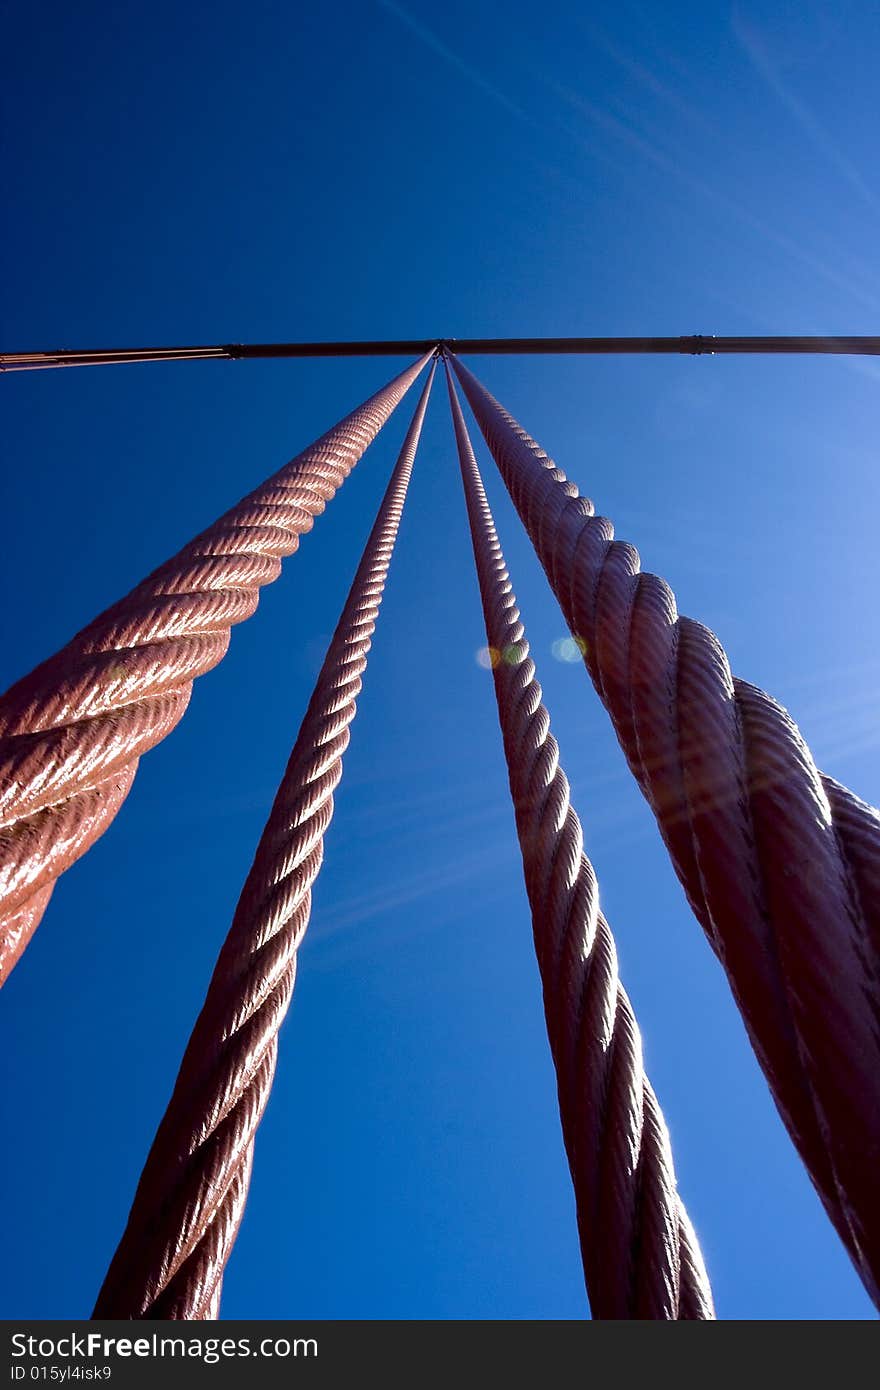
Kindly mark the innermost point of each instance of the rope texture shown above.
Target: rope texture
(191, 1195)
(780, 863)
(72, 731)
(641, 1256)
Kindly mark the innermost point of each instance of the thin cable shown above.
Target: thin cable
(191, 1195)
(694, 344)
(640, 1254)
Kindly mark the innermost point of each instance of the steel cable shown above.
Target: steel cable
(692, 344)
(641, 1257)
(72, 731)
(780, 863)
(189, 1201)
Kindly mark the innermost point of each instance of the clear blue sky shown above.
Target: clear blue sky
(217, 172)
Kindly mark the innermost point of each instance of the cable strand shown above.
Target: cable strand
(191, 1194)
(72, 730)
(640, 1256)
(780, 864)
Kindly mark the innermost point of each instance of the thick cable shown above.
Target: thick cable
(780, 864)
(72, 731)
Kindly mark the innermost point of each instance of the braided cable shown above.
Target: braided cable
(191, 1194)
(780, 864)
(72, 731)
(641, 1258)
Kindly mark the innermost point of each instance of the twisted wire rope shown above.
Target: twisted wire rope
(640, 1254)
(191, 1194)
(72, 731)
(779, 862)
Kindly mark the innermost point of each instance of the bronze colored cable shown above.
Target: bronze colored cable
(191, 1195)
(72, 731)
(780, 864)
(640, 1254)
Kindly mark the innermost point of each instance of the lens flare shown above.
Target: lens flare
(569, 649)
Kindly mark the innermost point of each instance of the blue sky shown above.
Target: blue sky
(213, 173)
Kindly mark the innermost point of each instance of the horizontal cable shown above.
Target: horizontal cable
(696, 345)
